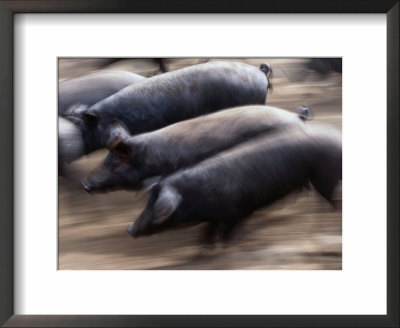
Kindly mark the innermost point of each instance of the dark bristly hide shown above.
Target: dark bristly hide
(162, 152)
(229, 186)
(172, 97)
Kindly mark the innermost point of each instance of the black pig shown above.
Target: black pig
(161, 152)
(175, 96)
(228, 187)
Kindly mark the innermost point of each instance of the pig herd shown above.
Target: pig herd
(200, 139)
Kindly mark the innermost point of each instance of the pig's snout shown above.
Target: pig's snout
(132, 230)
(86, 185)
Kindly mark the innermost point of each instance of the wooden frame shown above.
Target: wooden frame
(8, 8)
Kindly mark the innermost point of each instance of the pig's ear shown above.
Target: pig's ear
(166, 204)
(118, 129)
(119, 141)
(90, 119)
(120, 148)
(149, 183)
(76, 110)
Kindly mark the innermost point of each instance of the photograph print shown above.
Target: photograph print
(199, 163)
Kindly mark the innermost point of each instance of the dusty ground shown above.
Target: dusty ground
(300, 232)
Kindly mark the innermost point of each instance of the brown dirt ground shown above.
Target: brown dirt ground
(300, 232)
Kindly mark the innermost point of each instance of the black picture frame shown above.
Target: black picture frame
(11, 7)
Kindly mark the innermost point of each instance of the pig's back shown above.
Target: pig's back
(262, 168)
(189, 92)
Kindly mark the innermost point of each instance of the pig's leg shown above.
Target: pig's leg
(161, 64)
(207, 241)
(210, 232)
(326, 187)
(228, 229)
